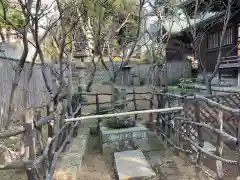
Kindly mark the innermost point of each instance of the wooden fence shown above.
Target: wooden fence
(37, 93)
(41, 154)
(184, 130)
(212, 119)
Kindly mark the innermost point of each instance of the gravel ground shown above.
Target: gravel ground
(166, 165)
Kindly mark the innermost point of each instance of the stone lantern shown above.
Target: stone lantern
(80, 67)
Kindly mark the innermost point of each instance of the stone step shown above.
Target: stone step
(132, 165)
(71, 161)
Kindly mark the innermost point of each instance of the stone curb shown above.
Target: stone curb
(71, 161)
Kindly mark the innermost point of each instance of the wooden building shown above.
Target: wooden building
(209, 32)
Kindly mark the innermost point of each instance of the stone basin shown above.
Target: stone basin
(115, 140)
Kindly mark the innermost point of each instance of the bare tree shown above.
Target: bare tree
(197, 36)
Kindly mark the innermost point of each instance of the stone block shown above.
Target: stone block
(114, 140)
(71, 161)
(132, 165)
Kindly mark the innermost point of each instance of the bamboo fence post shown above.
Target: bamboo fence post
(135, 103)
(200, 140)
(219, 147)
(151, 107)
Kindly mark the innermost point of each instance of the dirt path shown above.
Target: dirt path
(95, 166)
(166, 165)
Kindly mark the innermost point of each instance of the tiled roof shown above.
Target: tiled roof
(178, 24)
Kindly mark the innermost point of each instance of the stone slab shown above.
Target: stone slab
(71, 161)
(132, 165)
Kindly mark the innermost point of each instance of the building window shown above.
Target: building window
(213, 40)
(227, 37)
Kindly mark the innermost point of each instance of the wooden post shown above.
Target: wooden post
(238, 145)
(30, 134)
(50, 109)
(163, 127)
(238, 76)
(39, 137)
(169, 128)
(188, 130)
(219, 147)
(29, 140)
(219, 76)
(200, 139)
(134, 103)
(177, 126)
(168, 123)
(97, 112)
(56, 125)
(151, 107)
(158, 114)
(80, 110)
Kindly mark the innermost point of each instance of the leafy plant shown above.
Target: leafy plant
(10, 14)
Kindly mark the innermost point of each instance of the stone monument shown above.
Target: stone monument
(80, 67)
(122, 139)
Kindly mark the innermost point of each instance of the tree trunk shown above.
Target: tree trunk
(2, 35)
(209, 86)
(11, 98)
(113, 91)
(90, 82)
(207, 81)
(70, 84)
